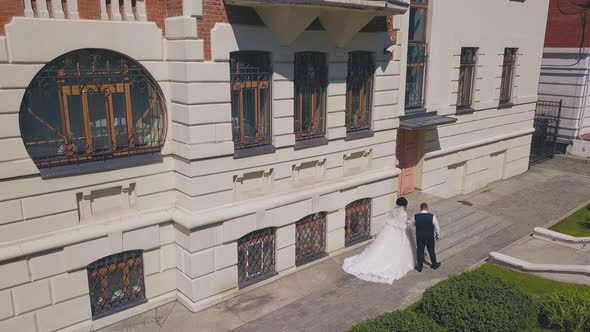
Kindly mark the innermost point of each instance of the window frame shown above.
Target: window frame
(508, 65)
(366, 90)
(420, 62)
(357, 209)
(317, 86)
(256, 80)
(465, 98)
(314, 222)
(100, 270)
(264, 237)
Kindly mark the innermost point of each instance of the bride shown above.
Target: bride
(391, 255)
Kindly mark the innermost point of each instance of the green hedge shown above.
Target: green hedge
(566, 310)
(398, 321)
(477, 301)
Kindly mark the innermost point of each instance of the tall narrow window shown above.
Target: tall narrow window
(466, 77)
(116, 283)
(311, 77)
(359, 90)
(91, 105)
(256, 256)
(507, 75)
(310, 238)
(250, 98)
(417, 46)
(358, 221)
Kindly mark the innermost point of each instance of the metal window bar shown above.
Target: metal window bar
(251, 75)
(508, 66)
(546, 124)
(358, 221)
(466, 77)
(310, 238)
(415, 75)
(91, 105)
(116, 283)
(359, 90)
(311, 77)
(256, 256)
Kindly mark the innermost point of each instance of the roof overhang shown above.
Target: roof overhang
(342, 19)
(424, 120)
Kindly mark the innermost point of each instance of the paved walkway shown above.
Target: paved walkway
(324, 298)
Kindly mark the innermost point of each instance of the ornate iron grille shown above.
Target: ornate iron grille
(507, 75)
(256, 256)
(311, 77)
(359, 90)
(311, 238)
(358, 221)
(466, 77)
(250, 98)
(116, 283)
(415, 74)
(546, 123)
(91, 105)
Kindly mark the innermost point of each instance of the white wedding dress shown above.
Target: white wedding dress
(390, 256)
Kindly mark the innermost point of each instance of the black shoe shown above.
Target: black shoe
(419, 269)
(434, 267)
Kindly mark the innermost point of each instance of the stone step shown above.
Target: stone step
(455, 216)
(459, 225)
(473, 240)
(473, 230)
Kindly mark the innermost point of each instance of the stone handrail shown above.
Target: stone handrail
(559, 237)
(525, 266)
(129, 11)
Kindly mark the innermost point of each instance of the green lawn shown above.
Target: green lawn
(575, 225)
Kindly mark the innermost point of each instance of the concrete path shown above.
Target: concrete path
(324, 298)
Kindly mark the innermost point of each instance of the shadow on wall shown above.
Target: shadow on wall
(431, 141)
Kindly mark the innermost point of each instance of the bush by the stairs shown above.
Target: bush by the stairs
(398, 321)
(566, 310)
(477, 301)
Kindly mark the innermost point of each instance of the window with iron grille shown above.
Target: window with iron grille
(116, 283)
(310, 238)
(251, 74)
(466, 77)
(359, 90)
(508, 75)
(417, 46)
(90, 105)
(311, 77)
(358, 221)
(256, 256)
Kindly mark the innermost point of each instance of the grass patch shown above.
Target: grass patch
(577, 224)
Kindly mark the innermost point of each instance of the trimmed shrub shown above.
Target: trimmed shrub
(566, 310)
(397, 321)
(477, 301)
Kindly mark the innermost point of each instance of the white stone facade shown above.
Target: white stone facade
(188, 212)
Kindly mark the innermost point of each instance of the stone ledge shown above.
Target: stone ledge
(525, 266)
(552, 236)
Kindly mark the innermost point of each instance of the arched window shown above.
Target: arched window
(90, 105)
(358, 221)
(256, 256)
(116, 283)
(310, 238)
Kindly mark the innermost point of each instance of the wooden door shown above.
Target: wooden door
(407, 154)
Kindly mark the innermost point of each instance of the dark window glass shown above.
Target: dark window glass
(310, 238)
(359, 90)
(508, 67)
(466, 77)
(417, 47)
(358, 221)
(91, 105)
(311, 77)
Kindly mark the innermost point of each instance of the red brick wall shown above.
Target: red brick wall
(566, 30)
(213, 12)
(9, 9)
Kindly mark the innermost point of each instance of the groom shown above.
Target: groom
(426, 228)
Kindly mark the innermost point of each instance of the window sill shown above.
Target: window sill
(97, 166)
(310, 259)
(306, 143)
(505, 105)
(357, 241)
(464, 110)
(359, 134)
(257, 279)
(254, 151)
(408, 111)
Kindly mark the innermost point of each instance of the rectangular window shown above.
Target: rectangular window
(507, 75)
(417, 46)
(357, 222)
(311, 77)
(250, 98)
(359, 90)
(466, 77)
(256, 256)
(310, 238)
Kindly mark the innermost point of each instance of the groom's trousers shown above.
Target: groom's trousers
(429, 244)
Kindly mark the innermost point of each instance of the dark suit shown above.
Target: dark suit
(425, 230)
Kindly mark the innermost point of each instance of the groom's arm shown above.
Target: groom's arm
(411, 222)
(436, 226)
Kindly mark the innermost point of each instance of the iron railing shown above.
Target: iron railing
(359, 90)
(256, 256)
(311, 79)
(546, 124)
(251, 76)
(116, 283)
(310, 238)
(358, 221)
(466, 77)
